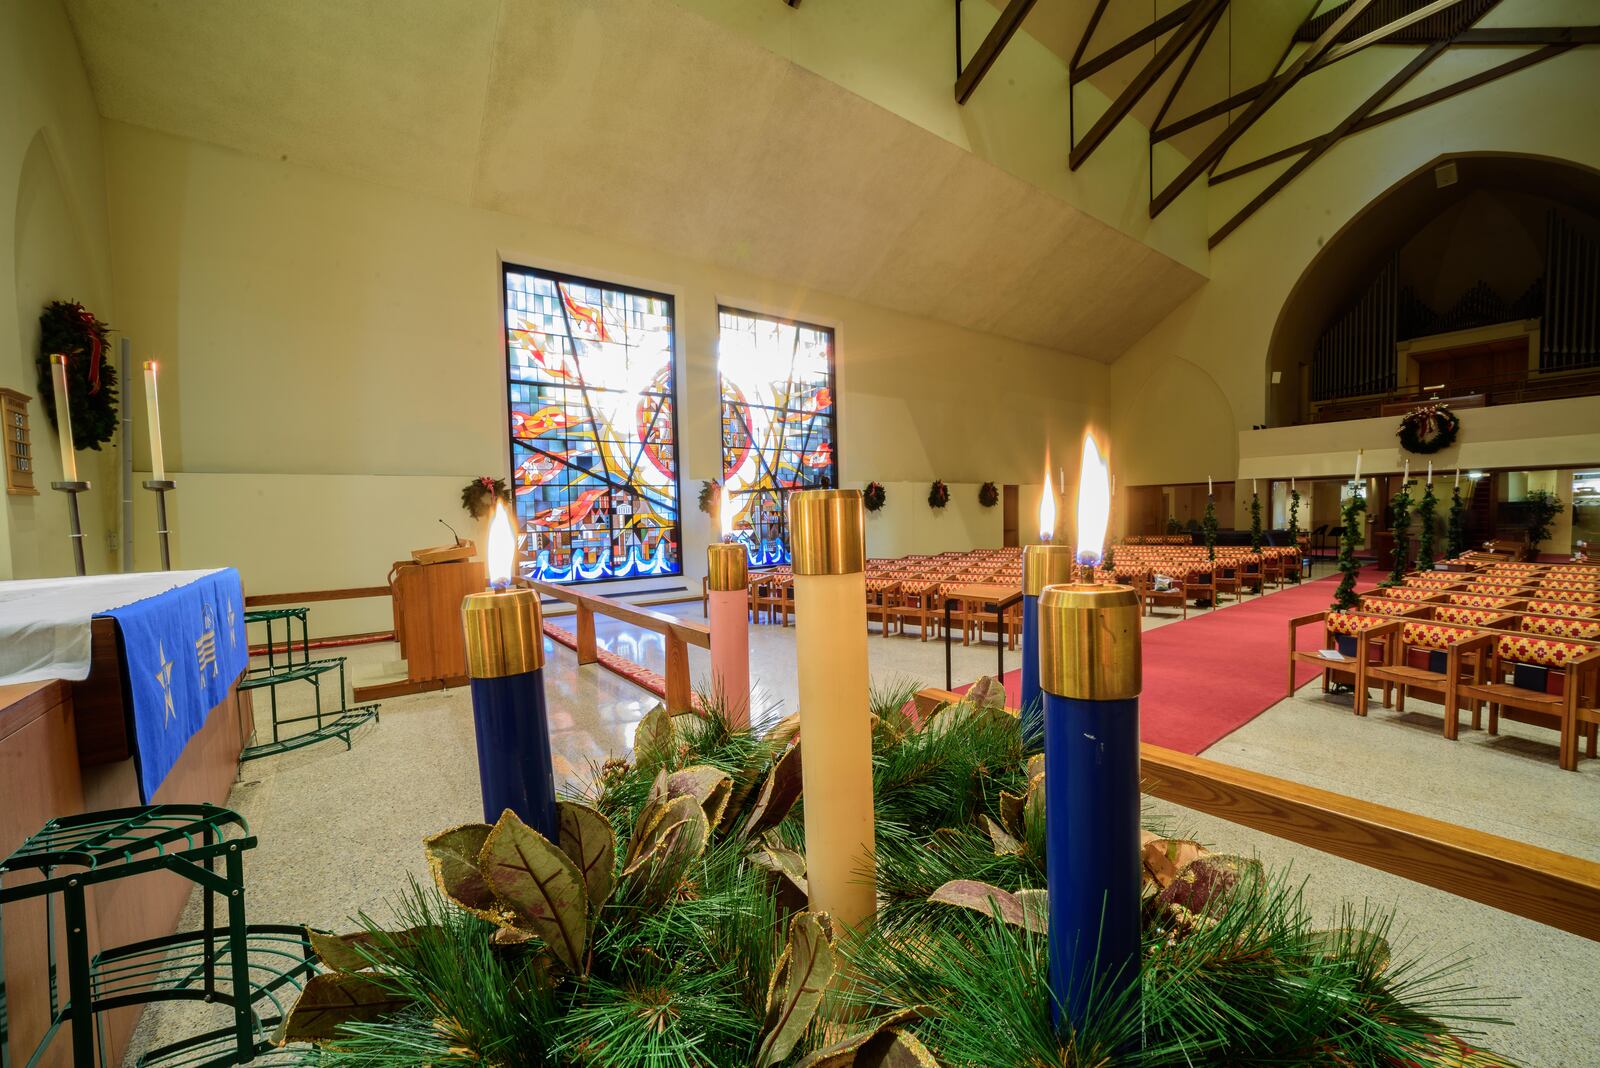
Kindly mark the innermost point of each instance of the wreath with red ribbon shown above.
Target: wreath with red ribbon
(1429, 429)
(71, 330)
(479, 495)
(988, 495)
(938, 494)
(873, 496)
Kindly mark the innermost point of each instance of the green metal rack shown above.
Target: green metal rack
(330, 723)
(256, 970)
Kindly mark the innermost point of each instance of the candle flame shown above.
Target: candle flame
(502, 547)
(725, 513)
(1094, 503)
(1047, 509)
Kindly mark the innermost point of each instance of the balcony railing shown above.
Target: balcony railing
(1473, 393)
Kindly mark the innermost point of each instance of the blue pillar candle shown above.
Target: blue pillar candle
(505, 659)
(1042, 565)
(1090, 671)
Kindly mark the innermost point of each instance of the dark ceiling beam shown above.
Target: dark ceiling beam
(1188, 65)
(1088, 33)
(1128, 45)
(1198, 17)
(1531, 35)
(1321, 144)
(1416, 103)
(1275, 88)
(989, 51)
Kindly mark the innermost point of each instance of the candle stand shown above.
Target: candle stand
(728, 613)
(161, 487)
(72, 489)
(828, 532)
(505, 660)
(1090, 671)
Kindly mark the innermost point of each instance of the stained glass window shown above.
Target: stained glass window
(594, 455)
(778, 431)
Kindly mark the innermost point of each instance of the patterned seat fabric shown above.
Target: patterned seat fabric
(1560, 627)
(1563, 608)
(1466, 617)
(1433, 635)
(1545, 652)
(1352, 622)
(1409, 593)
(1385, 606)
(1478, 600)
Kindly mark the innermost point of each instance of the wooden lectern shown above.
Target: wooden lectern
(427, 622)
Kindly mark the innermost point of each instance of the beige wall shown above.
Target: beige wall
(52, 247)
(314, 325)
(1201, 373)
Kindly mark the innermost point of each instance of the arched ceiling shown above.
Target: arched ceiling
(638, 121)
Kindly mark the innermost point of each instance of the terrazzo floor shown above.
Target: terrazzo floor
(340, 831)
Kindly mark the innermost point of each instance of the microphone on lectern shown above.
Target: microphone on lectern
(452, 531)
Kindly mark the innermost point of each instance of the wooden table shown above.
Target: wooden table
(983, 594)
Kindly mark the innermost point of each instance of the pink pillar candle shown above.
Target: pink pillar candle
(728, 613)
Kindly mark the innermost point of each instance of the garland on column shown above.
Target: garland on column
(1456, 531)
(1255, 521)
(1208, 526)
(1425, 511)
(1400, 523)
(1294, 519)
(1344, 598)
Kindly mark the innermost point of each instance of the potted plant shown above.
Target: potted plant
(1543, 507)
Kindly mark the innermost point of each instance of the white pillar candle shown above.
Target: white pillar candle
(1208, 485)
(1430, 472)
(1358, 465)
(1254, 489)
(69, 455)
(1458, 478)
(1405, 475)
(158, 463)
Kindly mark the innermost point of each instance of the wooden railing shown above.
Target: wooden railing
(679, 634)
(1525, 880)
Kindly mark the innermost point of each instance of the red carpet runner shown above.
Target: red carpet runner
(1209, 675)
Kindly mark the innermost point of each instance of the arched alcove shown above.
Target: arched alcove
(1463, 227)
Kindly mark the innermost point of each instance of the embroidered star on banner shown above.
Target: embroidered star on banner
(164, 677)
(233, 639)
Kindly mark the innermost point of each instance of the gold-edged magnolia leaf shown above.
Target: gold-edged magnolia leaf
(590, 843)
(987, 899)
(803, 973)
(453, 859)
(848, 1052)
(895, 1049)
(778, 794)
(785, 730)
(1035, 766)
(1033, 810)
(1208, 879)
(1004, 844)
(654, 738)
(777, 857)
(541, 887)
(951, 717)
(655, 823)
(677, 839)
(711, 787)
(354, 952)
(1343, 943)
(655, 800)
(1011, 814)
(336, 998)
(1035, 909)
(1165, 857)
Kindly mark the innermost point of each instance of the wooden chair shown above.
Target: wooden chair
(920, 604)
(1252, 574)
(1228, 578)
(1448, 655)
(1363, 635)
(1546, 676)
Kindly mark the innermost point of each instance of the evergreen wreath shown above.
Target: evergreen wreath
(709, 494)
(988, 495)
(1429, 429)
(479, 495)
(874, 496)
(938, 494)
(1255, 522)
(1425, 512)
(1344, 598)
(72, 330)
(1400, 524)
(1456, 530)
(1208, 527)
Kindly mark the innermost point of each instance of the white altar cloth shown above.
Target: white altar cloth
(44, 623)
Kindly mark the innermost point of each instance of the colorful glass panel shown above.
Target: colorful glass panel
(594, 457)
(778, 426)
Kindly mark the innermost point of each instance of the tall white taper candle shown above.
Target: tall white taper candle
(158, 463)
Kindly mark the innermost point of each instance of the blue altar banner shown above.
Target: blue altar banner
(183, 650)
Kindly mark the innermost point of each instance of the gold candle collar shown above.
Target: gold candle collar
(505, 633)
(728, 570)
(827, 532)
(1090, 646)
(1045, 565)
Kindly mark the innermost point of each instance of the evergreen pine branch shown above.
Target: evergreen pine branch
(1344, 598)
(1208, 526)
(1456, 531)
(1425, 515)
(1255, 522)
(1400, 525)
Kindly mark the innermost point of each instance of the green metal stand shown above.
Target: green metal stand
(255, 970)
(330, 723)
